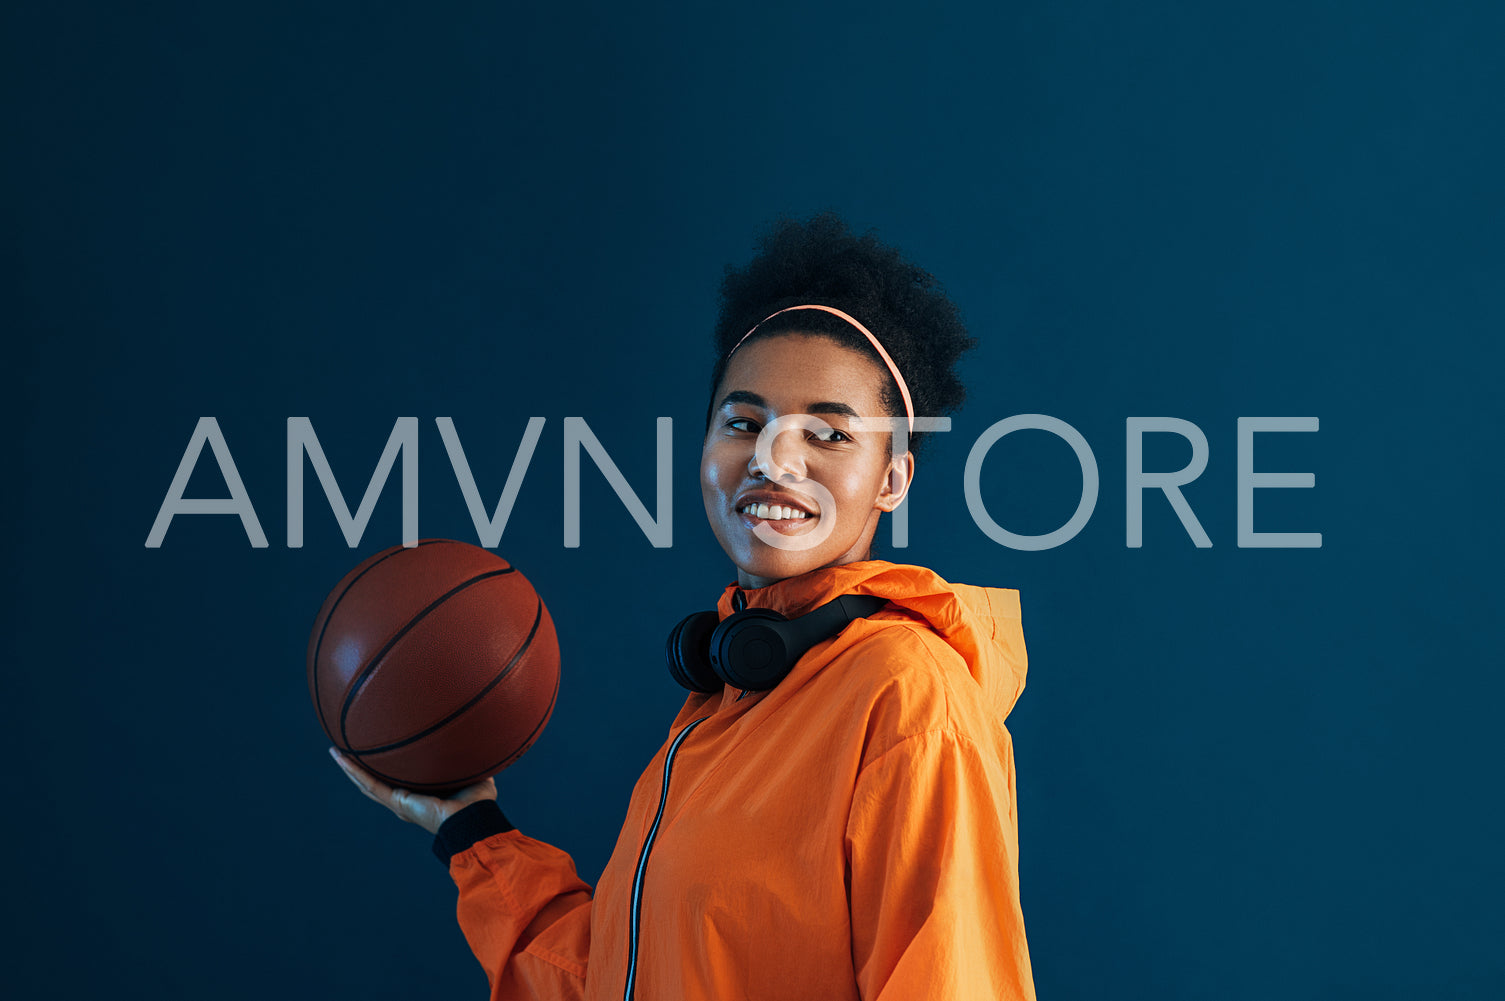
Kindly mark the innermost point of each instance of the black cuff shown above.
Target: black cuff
(476, 822)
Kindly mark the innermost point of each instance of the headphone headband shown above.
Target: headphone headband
(755, 648)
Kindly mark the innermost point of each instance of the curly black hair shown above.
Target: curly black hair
(822, 261)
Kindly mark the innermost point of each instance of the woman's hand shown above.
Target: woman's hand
(428, 812)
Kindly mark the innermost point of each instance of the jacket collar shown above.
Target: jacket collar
(794, 596)
(982, 624)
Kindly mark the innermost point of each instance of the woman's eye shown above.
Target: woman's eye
(737, 424)
(831, 435)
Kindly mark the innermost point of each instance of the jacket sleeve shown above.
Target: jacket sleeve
(523, 909)
(933, 868)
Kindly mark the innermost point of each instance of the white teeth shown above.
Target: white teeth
(774, 512)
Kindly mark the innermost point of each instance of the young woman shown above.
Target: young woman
(846, 830)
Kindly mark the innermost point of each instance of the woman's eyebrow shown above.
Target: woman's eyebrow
(742, 396)
(831, 407)
(753, 399)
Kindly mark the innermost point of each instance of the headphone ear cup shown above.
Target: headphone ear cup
(750, 650)
(686, 651)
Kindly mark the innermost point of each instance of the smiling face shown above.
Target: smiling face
(814, 497)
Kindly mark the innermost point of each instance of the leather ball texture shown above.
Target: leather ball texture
(433, 666)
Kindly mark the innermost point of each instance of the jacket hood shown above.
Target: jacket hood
(982, 624)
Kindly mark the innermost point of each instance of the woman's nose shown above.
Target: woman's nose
(779, 456)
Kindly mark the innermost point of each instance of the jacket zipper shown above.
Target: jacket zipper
(637, 880)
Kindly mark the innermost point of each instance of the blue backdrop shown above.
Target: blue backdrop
(1243, 773)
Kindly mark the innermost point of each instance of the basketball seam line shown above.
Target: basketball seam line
(537, 618)
(495, 768)
(319, 645)
(372, 665)
(470, 779)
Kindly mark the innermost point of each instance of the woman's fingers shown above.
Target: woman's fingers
(367, 783)
(428, 812)
(413, 807)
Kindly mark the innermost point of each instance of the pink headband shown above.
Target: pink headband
(894, 369)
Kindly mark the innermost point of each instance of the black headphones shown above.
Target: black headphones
(755, 648)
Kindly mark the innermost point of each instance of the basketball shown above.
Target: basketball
(433, 666)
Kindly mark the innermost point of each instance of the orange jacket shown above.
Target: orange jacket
(848, 834)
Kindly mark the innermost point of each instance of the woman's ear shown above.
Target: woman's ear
(896, 482)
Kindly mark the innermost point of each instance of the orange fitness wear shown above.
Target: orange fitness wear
(848, 834)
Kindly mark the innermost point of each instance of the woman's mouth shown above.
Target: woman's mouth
(773, 512)
(779, 517)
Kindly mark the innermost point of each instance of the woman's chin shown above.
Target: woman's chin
(759, 564)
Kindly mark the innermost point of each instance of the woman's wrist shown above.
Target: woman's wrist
(468, 825)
